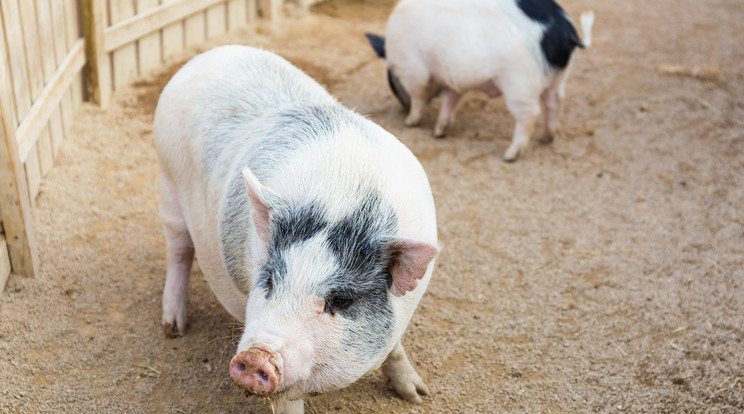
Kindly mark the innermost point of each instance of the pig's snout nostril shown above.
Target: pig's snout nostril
(255, 371)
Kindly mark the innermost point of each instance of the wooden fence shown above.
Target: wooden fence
(127, 38)
(55, 53)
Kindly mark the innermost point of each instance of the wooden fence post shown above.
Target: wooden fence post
(15, 202)
(99, 66)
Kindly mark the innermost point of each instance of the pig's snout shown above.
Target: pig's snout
(256, 371)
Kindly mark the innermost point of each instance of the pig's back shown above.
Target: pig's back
(465, 43)
(226, 90)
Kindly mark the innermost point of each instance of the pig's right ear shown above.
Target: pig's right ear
(378, 44)
(410, 261)
(259, 197)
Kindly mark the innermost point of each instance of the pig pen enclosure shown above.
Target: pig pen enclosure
(601, 273)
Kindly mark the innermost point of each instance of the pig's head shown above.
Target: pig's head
(378, 44)
(321, 311)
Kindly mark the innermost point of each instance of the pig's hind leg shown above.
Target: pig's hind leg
(446, 111)
(180, 256)
(402, 377)
(551, 98)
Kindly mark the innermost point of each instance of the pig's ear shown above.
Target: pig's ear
(378, 44)
(259, 197)
(409, 261)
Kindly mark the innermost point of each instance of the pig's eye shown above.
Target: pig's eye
(337, 303)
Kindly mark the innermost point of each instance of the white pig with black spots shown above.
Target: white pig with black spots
(314, 227)
(521, 48)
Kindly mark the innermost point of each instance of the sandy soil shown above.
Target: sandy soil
(602, 273)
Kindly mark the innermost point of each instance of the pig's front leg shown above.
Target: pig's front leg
(291, 407)
(402, 377)
(180, 257)
(525, 111)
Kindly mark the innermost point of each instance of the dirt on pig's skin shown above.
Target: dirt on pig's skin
(601, 273)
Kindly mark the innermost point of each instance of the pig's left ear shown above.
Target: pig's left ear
(409, 263)
(378, 44)
(261, 203)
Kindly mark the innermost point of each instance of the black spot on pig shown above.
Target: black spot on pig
(378, 44)
(359, 239)
(264, 149)
(296, 225)
(288, 227)
(359, 242)
(398, 90)
(559, 35)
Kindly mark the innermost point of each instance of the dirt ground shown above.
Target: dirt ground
(602, 273)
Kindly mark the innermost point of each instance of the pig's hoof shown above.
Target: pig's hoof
(439, 134)
(512, 153)
(170, 330)
(412, 121)
(409, 387)
(510, 158)
(545, 139)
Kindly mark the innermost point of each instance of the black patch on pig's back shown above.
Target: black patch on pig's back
(559, 35)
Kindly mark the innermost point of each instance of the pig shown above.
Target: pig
(521, 48)
(313, 226)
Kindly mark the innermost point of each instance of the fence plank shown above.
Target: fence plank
(171, 11)
(4, 264)
(237, 14)
(125, 57)
(37, 117)
(46, 38)
(99, 68)
(17, 59)
(68, 113)
(77, 92)
(33, 175)
(149, 44)
(31, 41)
(59, 29)
(14, 198)
(56, 127)
(172, 34)
(194, 29)
(72, 24)
(252, 6)
(45, 152)
(216, 20)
